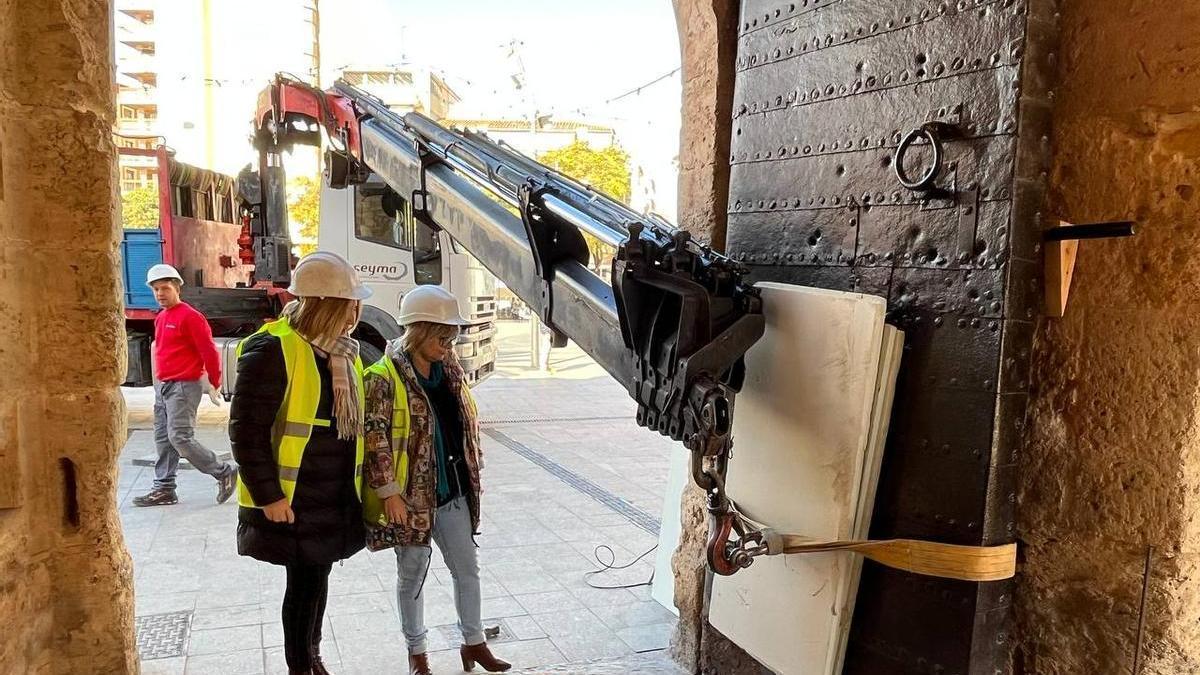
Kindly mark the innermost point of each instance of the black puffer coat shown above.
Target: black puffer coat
(328, 513)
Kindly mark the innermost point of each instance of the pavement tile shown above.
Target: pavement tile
(227, 617)
(520, 578)
(372, 654)
(147, 603)
(530, 653)
(360, 603)
(503, 606)
(633, 614)
(568, 622)
(552, 601)
(367, 623)
(598, 644)
(221, 640)
(647, 638)
(248, 662)
(175, 666)
(524, 628)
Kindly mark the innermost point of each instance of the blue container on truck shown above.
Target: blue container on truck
(140, 250)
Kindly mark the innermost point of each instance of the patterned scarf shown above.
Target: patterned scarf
(342, 353)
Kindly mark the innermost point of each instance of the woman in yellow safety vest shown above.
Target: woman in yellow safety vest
(296, 427)
(423, 461)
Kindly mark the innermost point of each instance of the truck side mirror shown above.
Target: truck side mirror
(392, 203)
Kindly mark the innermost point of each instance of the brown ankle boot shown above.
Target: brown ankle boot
(418, 664)
(472, 654)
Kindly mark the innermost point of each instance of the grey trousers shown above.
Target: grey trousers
(452, 534)
(175, 405)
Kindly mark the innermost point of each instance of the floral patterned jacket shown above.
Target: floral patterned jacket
(419, 492)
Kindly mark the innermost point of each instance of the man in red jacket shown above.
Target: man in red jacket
(184, 355)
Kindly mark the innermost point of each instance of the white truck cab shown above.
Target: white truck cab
(393, 253)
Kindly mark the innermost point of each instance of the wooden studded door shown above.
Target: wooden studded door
(829, 95)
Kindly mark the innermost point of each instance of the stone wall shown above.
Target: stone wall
(66, 599)
(708, 44)
(1112, 465)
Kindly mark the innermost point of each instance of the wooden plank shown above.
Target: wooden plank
(1060, 269)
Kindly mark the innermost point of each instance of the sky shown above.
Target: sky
(576, 55)
(580, 61)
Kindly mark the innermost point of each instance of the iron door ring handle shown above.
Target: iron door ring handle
(930, 132)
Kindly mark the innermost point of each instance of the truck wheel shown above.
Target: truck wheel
(369, 353)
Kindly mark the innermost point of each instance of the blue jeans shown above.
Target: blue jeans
(452, 534)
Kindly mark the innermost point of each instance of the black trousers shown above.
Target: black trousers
(304, 612)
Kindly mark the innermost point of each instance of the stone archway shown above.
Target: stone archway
(66, 598)
(1124, 146)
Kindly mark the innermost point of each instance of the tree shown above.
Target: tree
(139, 208)
(304, 209)
(605, 170)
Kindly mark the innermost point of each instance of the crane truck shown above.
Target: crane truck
(236, 263)
(673, 324)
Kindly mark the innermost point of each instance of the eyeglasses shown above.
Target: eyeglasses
(448, 341)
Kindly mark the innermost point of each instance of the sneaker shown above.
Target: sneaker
(157, 497)
(226, 486)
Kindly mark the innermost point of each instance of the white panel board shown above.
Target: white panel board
(802, 433)
(663, 588)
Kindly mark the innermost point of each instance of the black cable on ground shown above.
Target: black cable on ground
(611, 565)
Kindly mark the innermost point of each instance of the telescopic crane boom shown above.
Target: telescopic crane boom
(673, 325)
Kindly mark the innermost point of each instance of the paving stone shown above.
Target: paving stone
(525, 628)
(366, 623)
(248, 662)
(175, 666)
(531, 654)
(633, 614)
(596, 644)
(657, 663)
(160, 603)
(227, 617)
(221, 640)
(569, 622)
(647, 638)
(552, 601)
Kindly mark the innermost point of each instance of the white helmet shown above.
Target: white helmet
(322, 274)
(430, 303)
(162, 271)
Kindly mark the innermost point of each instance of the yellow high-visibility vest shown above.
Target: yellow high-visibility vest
(298, 414)
(372, 506)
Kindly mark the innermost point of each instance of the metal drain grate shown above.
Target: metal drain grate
(454, 636)
(635, 515)
(536, 419)
(162, 636)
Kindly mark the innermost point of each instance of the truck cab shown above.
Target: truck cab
(374, 228)
(206, 231)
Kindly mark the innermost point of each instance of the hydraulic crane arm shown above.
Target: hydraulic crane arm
(672, 327)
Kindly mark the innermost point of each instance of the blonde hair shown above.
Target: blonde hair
(416, 334)
(319, 318)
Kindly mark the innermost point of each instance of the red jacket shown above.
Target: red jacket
(183, 346)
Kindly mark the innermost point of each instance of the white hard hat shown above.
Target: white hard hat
(322, 274)
(430, 303)
(162, 271)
